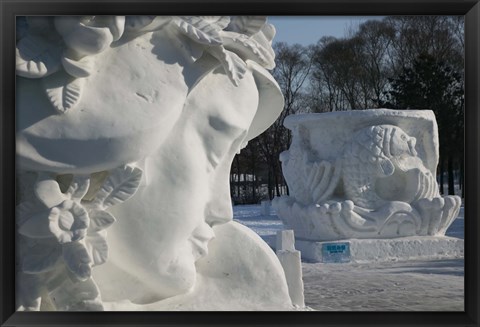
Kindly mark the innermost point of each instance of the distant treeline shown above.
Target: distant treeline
(399, 62)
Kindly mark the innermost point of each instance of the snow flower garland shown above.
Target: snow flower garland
(65, 229)
(62, 50)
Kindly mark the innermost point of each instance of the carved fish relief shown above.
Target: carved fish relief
(377, 152)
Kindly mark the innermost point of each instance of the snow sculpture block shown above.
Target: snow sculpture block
(120, 120)
(285, 240)
(364, 174)
(265, 208)
(292, 265)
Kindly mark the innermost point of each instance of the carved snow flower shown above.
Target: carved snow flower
(69, 227)
(89, 35)
(38, 48)
(68, 221)
(46, 43)
(54, 226)
(62, 217)
(61, 50)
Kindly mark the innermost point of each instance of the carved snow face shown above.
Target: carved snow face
(164, 229)
(164, 102)
(194, 168)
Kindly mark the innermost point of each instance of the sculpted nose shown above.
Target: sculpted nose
(219, 210)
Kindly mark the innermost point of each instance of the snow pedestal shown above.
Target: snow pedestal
(378, 250)
(292, 265)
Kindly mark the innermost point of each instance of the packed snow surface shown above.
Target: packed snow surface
(417, 285)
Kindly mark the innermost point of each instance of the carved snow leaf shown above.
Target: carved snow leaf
(199, 30)
(25, 210)
(97, 248)
(63, 91)
(36, 57)
(234, 66)
(293, 162)
(78, 68)
(220, 21)
(77, 259)
(122, 184)
(79, 187)
(195, 50)
(249, 48)
(248, 25)
(37, 226)
(41, 258)
(99, 220)
(268, 32)
(321, 179)
(116, 25)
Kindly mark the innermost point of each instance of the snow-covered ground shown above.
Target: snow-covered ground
(435, 285)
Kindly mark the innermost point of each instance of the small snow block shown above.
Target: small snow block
(336, 252)
(292, 265)
(265, 208)
(285, 240)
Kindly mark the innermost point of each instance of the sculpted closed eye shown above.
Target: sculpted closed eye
(222, 138)
(217, 123)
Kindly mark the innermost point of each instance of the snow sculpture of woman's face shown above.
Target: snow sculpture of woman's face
(195, 171)
(165, 228)
(172, 106)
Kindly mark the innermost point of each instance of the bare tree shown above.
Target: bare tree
(293, 65)
(355, 72)
(352, 72)
(377, 39)
(438, 36)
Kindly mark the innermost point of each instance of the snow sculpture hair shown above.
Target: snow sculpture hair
(67, 46)
(120, 121)
(364, 174)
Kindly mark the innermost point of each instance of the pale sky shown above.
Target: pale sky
(307, 30)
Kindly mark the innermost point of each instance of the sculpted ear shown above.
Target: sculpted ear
(386, 166)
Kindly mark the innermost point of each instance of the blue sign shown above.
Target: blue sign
(336, 252)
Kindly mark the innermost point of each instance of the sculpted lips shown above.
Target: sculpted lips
(199, 240)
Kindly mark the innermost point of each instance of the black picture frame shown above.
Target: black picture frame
(11, 8)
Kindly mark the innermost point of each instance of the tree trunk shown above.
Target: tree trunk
(462, 178)
(277, 180)
(441, 177)
(451, 181)
(238, 177)
(254, 189)
(254, 182)
(270, 187)
(245, 188)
